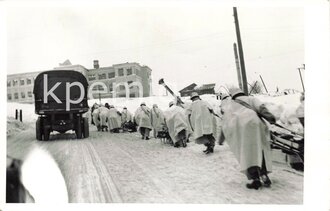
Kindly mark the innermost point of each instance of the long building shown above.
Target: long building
(20, 87)
(119, 80)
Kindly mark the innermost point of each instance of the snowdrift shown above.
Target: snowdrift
(14, 126)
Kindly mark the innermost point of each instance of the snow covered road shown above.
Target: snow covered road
(111, 168)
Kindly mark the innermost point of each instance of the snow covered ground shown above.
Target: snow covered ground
(123, 168)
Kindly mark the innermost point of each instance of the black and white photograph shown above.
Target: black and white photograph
(164, 103)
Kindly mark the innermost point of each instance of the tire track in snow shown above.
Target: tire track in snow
(166, 192)
(108, 186)
(93, 187)
(92, 183)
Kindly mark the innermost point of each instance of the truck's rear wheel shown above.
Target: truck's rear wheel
(86, 127)
(39, 129)
(46, 133)
(78, 128)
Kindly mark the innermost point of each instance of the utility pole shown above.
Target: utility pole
(263, 83)
(302, 82)
(241, 55)
(238, 68)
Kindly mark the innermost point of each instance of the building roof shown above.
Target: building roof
(23, 74)
(65, 63)
(193, 87)
(188, 88)
(126, 63)
(69, 67)
(120, 65)
(205, 86)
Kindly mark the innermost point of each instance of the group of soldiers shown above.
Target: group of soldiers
(171, 124)
(108, 118)
(243, 121)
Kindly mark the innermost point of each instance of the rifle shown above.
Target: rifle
(161, 82)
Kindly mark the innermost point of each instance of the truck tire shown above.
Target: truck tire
(78, 127)
(39, 129)
(86, 127)
(46, 133)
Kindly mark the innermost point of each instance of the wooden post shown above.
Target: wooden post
(20, 115)
(238, 68)
(241, 54)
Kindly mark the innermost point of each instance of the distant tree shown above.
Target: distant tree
(255, 88)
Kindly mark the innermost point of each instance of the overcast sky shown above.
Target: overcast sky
(181, 44)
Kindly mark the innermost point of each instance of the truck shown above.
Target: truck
(60, 99)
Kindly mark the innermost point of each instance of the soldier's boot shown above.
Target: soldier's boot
(266, 181)
(184, 143)
(210, 150)
(255, 184)
(254, 174)
(210, 144)
(207, 147)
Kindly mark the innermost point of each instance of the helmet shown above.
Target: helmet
(193, 95)
(143, 103)
(224, 95)
(235, 91)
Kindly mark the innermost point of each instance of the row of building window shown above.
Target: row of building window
(15, 95)
(121, 87)
(103, 76)
(22, 82)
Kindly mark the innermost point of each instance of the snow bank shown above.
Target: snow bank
(14, 126)
(285, 100)
(287, 104)
(27, 110)
(284, 108)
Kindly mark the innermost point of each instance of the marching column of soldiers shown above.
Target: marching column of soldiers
(243, 122)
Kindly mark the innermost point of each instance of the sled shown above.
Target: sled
(129, 127)
(164, 136)
(291, 144)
